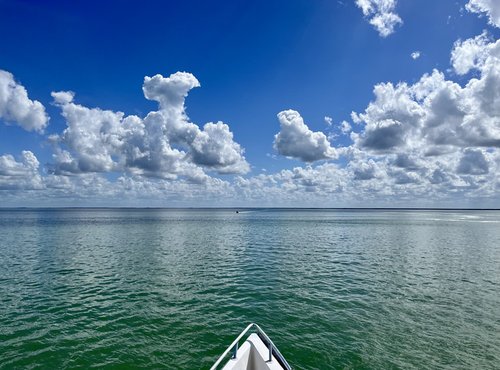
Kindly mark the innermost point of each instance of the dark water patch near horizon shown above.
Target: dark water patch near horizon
(334, 289)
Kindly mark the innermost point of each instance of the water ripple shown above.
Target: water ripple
(172, 288)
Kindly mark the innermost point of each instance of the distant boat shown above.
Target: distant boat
(258, 352)
(237, 211)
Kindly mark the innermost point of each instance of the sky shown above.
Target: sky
(298, 103)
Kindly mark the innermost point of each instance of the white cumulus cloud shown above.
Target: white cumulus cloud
(296, 140)
(436, 114)
(215, 147)
(473, 162)
(345, 127)
(491, 8)
(435, 135)
(17, 108)
(473, 53)
(20, 174)
(381, 15)
(433, 142)
(164, 144)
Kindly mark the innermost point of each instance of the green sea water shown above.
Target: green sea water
(170, 289)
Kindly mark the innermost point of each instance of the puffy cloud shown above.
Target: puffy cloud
(345, 127)
(214, 147)
(390, 119)
(415, 55)
(434, 136)
(19, 175)
(164, 144)
(473, 53)
(447, 180)
(296, 140)
(17, 108)
(364, 170)
(299, 186)
(92, 189)
(63, 97)
(473, 162)
(384, 134)
(489, 7)
(368, 182)
(401, 177)
(436, 114)
(171, 91)
(94, 136)
(403, 160)
(324, 179)
(431, 143)
(434, 142)
(381, 15)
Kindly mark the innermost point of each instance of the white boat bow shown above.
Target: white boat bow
(258, 352)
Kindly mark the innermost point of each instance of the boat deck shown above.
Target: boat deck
(253, 355)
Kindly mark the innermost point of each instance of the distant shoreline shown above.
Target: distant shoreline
(256, 208)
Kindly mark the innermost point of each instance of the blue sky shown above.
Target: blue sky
(254, 61)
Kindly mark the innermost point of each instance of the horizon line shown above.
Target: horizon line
(253, 208)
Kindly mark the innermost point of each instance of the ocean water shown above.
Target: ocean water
(334, 289)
